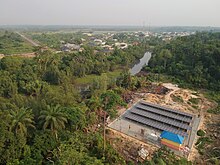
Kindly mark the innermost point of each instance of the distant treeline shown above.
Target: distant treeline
(111, 28)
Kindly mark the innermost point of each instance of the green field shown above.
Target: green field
(12, 43)
(90, 78)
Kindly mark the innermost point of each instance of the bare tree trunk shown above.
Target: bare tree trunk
(104, 135)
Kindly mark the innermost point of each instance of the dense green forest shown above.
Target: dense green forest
(46, 117)
(193, 60)
(12, 43)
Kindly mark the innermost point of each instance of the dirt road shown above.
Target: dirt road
(28, 39)
(173, 88)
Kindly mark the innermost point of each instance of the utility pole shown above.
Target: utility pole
(104, 134)
(143, 26)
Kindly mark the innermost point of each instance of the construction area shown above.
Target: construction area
(155, 118)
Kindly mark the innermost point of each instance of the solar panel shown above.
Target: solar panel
(159, 118)
(152, 123)
(167, 109)
(161, 112)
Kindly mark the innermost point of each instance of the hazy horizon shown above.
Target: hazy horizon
(111, 13)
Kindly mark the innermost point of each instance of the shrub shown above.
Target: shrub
(177, 99)
(215, 110)
(201, 133)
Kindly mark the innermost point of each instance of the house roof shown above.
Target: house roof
(172, 137)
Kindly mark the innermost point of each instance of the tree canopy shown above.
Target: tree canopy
(45, 113)
(193, 59)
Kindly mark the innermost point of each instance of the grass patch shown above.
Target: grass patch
(88, 79)
(18, 49)
(177, 99)
(195, 106)
(12, 43)
(155, 77)
(215, 110)
(215, 96)
(194, 100)
(195, 93)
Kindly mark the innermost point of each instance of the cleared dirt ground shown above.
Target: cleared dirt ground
(176, 98)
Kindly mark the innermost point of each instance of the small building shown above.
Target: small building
(121, 45)
(68, 47)
(171, 140)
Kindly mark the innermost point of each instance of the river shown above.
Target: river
(143, 61)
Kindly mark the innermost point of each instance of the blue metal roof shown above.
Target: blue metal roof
(172, 137)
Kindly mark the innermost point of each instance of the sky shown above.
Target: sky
(111, 12)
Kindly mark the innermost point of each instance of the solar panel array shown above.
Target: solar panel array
(167, 109)
(161, 118)
(163, 113)
(154, 124)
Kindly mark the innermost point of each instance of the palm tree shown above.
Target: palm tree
(53, 118)
(21, 119)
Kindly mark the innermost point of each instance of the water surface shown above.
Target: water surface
(143, 61)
